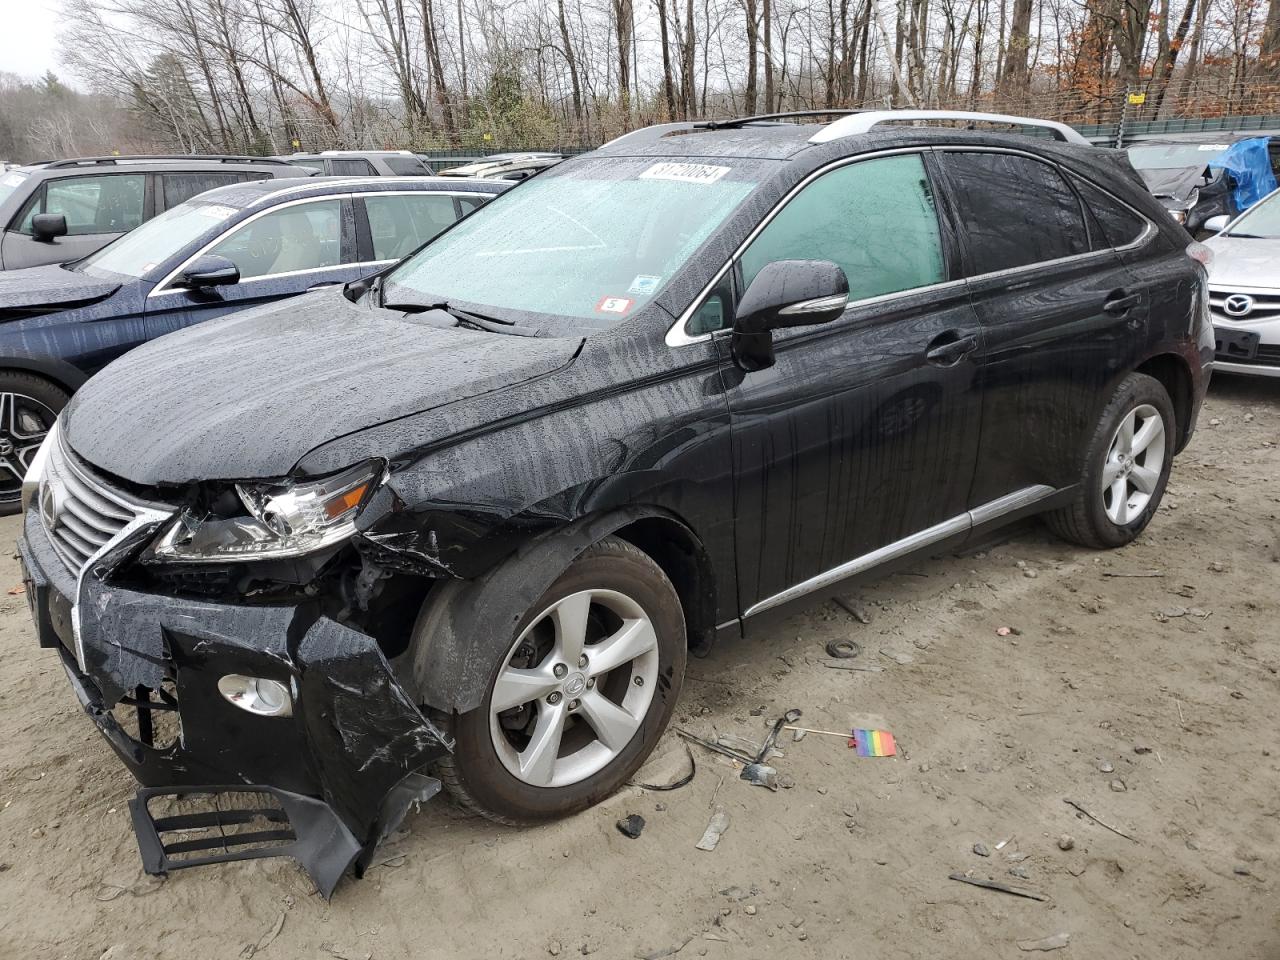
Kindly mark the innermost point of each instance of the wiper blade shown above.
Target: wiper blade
(1246, 236)
(465, 317)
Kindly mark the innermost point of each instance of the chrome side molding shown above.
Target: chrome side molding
(963, 523)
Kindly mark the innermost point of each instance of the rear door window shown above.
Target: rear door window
(305, 236)
(1013, 211)
(876, 219)
(351, 168)
(407, 166)
(1118, 224)
(398, 225)
(179, 187)
(108, 204)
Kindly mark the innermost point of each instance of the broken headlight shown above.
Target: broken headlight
(282, 520)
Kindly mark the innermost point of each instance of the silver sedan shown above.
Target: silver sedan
(1244, 289)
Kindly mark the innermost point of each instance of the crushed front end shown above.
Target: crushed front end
(260, 721)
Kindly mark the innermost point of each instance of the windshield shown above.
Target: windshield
(10, 182)
(1174, 156)
(593, 239)
(144, 248)
(1262, 221)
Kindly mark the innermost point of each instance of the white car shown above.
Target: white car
(1244, 289)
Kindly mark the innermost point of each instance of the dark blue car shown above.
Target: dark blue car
(225, 250)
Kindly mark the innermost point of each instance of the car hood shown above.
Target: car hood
(39, 289)
(247, 397)
(1241, 262)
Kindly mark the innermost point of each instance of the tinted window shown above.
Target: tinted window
(876, 219)
(302, 237)
(1013, 210)
(179, 187)
(407, 166)
(351, 168)
(111, 204)
(1119, 224)
(400, 225)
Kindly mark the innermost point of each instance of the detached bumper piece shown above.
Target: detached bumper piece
(282, 824)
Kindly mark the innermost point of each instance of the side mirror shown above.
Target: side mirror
(785, 293)
(210, 271)
(1216, 224)
(46, 227)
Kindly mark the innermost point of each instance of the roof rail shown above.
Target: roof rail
(857, 123)
(655, 132)
(766, 117)
(112, 161)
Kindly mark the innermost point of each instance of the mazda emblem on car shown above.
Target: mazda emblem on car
(1238, 305)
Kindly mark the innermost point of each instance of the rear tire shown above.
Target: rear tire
(28, 406)
(1126, 468)
(601, 705)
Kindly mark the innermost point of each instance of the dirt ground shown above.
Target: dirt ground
(1151, 701)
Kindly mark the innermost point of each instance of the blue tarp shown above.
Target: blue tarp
(1250, 166)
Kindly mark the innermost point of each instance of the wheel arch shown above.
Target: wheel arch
(59, 373)
(1174, 374)
(464, 625)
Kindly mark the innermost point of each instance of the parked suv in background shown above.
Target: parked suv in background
(362, 163)
(61, 210)
(225, 250)
(461, 523)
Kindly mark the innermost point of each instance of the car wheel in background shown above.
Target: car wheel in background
(581, 695)
(28, 407)
(1126, 467)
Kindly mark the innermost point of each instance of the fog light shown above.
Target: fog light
(267, 698)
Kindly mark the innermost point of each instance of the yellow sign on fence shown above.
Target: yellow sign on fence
(1137, 99)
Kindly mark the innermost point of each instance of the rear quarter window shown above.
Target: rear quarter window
(1119, 225)
(1014, 211)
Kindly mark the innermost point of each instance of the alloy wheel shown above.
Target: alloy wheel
(24, 423)
(574, 689)
(1134, 463)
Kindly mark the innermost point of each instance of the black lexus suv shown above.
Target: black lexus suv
(461, 523)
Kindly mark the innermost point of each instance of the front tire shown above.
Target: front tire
(581, 695)
(28, 407)
(1126, 468)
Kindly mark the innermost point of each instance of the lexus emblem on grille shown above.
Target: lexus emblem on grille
(48, 507)
(1238, 305)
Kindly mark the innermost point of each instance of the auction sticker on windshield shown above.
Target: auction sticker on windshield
(684, 172)
(617, 305)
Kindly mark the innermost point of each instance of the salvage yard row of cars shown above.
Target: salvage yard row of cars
(457, 515)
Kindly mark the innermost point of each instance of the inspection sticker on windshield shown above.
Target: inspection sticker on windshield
(214, 211)
(1212, 146)
(644, 285)
(617, 305)
(685, 172)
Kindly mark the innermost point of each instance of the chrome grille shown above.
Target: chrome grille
(1262, 306)
(80, 513)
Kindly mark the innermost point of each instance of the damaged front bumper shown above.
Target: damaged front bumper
(340, 772)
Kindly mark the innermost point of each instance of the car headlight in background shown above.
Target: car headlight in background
(284, 520)
(35, 472)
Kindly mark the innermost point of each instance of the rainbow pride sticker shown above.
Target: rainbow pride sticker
(873, 743)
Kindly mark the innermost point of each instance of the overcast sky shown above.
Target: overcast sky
(27, 41)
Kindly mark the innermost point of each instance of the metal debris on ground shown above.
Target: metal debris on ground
(843, 649)
(1101, 823)
(1056, 942)
(674, 784)
(855, 610)
(760, 774)
(1001, 887)
(631, 826)
(716, 828)
(981, 850)
(846, 665)
(1138, 574)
